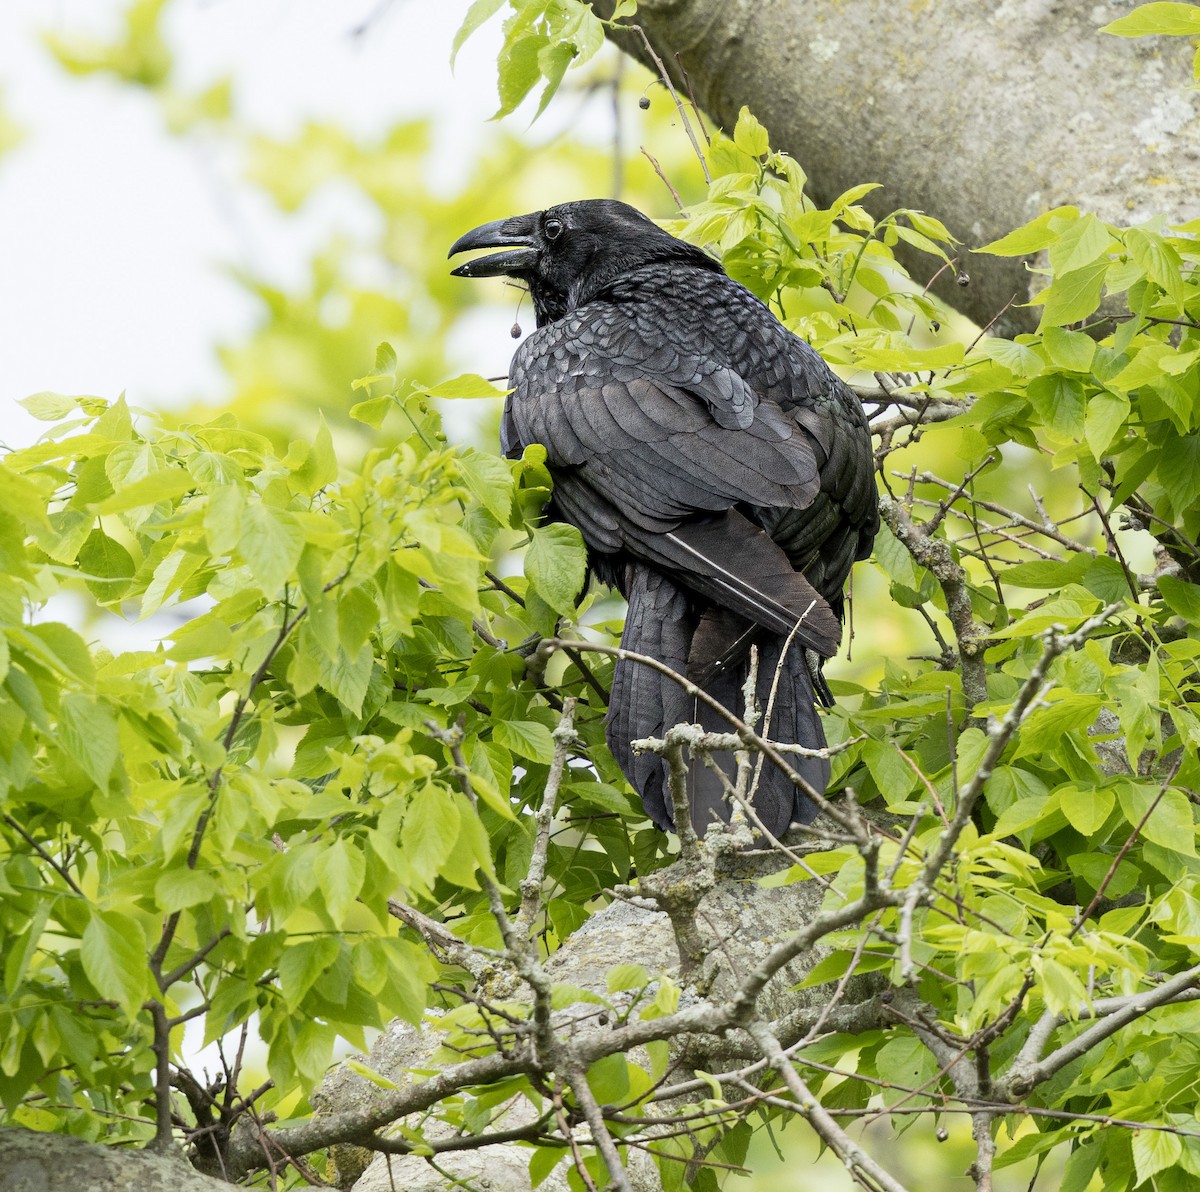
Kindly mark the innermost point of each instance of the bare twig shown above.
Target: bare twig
(679, 104)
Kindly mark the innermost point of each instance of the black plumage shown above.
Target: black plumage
(720, 474)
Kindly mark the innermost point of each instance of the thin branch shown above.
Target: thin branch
(862, 1168)
(61, 870)
(679, 105)
(531, 887)
(935, 556)
(1025, 1073)
(162, 1142)
(617, 1175)
(665, 180)
(444, 944)
(569, 1134)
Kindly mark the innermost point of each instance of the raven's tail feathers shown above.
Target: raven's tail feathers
(713, 652)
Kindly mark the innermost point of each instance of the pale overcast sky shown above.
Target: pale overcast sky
(113, 235)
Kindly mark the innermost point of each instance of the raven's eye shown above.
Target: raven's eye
(553, 229)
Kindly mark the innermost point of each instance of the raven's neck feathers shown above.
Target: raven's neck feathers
(608, 267)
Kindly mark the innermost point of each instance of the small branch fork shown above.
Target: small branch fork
(935, 556)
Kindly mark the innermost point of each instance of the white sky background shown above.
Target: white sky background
(114, 236)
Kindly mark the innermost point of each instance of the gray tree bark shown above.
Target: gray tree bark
(35, 1162)
(984, 113)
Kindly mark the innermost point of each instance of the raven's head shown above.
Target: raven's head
(569, 253)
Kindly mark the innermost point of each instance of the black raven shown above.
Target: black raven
(720, 474)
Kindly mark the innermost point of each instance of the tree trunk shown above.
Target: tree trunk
(983, 114)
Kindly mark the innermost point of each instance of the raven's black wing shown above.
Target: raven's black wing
(649, 461)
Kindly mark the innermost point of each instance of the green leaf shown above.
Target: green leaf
(1072, 296)
(479, 12)
(1071, 350)
(357, 616)
(1170, 823)
(527, 738)
(749, 135)
(1025, 1147)
(1182, 598)
(1155, 1150)
(207, 636)
(518, 70)
(623, 977)
(1047, 573)
(1080, 245)
(320, 465)
(385, 359)
(22, 499)
(553, 61)
(467, 385)
(49, 407)
(113, 952)
(303, 963)
(88, 732)
(163, 485)
(608, 1078)
(373, 411)
(1017, 358)
(1029, 238)
(430, 831)
(1179, 471)
(312, 1050)
(369, 1074)
(556, 565)
(1106, 415)
(340, 871)
(1087, 809)
(270, 545)
(835, 966)
(490, 480)
(181, 887)
(347, 677)
(106, 565)
(1162, 16)
(1161, 262)
(544, 1159)
(892, 774)
(61, 647)
(1059, 403)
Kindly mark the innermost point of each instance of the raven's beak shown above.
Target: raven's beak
(517, 230)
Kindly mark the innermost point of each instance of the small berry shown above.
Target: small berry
(515, 331)
(963, 278)
(644, 103)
